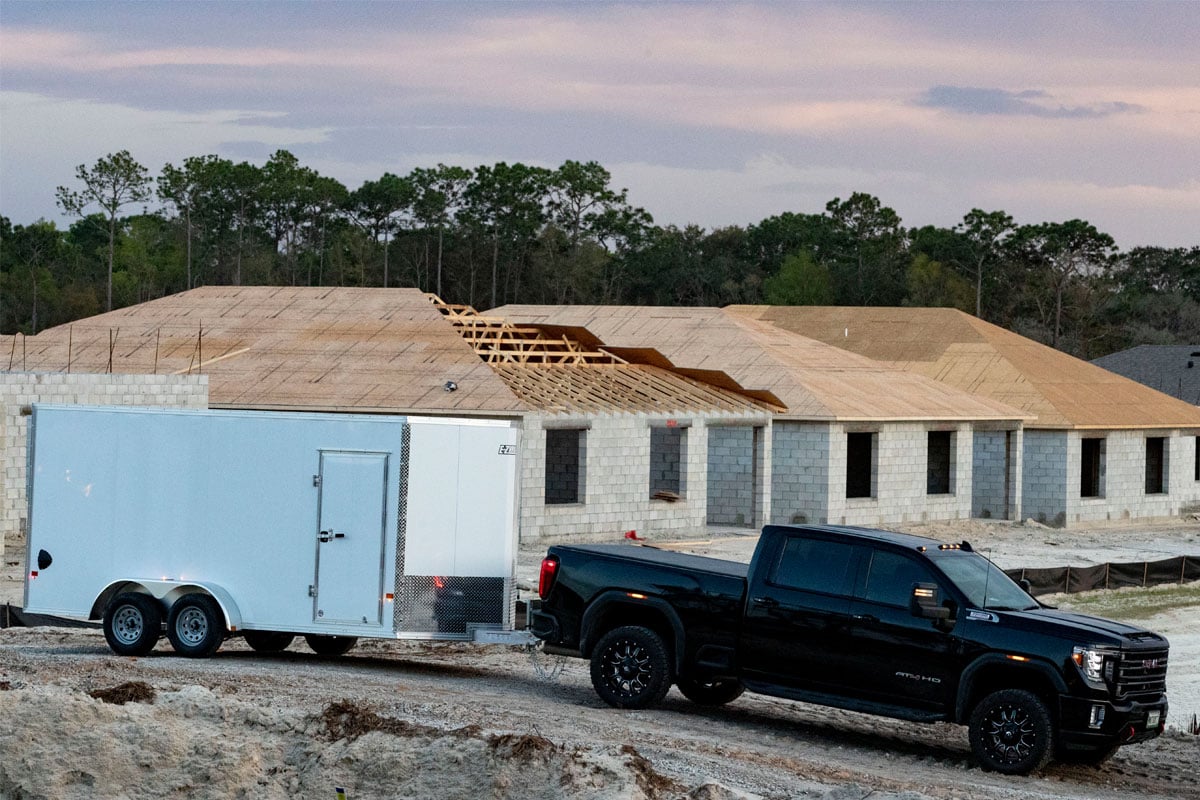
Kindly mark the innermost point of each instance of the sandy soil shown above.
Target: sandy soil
(478, 722)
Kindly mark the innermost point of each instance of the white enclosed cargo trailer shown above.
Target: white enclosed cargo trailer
(271, 525)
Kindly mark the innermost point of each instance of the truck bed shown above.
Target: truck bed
(667, 558)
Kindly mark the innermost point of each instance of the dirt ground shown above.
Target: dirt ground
(424, 720)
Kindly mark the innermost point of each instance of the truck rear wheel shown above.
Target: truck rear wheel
(268, 641)
(631, 667)
(710, 693)
(196, 626)
(1011, 732)
(330, 645)
(132, 624)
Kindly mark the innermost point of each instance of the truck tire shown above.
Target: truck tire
(330, 645)
(1011, 732)
(710, 693)
(631, 667)
(196, 626)
(268, 641)
(132, 624)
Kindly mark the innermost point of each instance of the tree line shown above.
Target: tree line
(506, 233)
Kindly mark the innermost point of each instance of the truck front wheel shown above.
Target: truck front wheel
(132, 624)
(631, 667)
(1011, 732)
(710, 693)
(196, 626)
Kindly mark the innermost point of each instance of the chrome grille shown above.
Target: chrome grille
(1142, 673)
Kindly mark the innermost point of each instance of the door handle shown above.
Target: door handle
(325, 536)
(864, 618)
(765, 602)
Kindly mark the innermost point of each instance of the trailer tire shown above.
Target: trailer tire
(132, 624)
(631, 667)
(196, 626)
(268, 641)
(710, 693)
(324, 645)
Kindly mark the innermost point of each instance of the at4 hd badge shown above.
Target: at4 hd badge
(508, 449)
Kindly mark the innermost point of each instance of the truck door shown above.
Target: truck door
(898, 658)
(796, 631)
(350, 537)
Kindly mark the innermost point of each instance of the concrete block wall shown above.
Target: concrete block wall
(1124, 469)
(20, 389)
(617, 490)
(901, 478)
(800, 472)
(1045, 481)
(989, 468)
(731, 475)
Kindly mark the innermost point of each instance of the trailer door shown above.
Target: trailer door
(350, 538)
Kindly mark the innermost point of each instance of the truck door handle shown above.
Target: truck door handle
(325, 536)
(765, 602)
(864, 618)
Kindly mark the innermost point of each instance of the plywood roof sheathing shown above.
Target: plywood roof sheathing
(968, 353)
(811, 379)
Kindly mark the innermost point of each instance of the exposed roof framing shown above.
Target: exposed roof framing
(499, 341)
(600, 388)
(567, 369)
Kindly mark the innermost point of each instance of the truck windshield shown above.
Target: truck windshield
(984, 584)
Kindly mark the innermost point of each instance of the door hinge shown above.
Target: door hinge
(317, 480)
(312, 590)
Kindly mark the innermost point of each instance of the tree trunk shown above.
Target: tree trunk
(495, 266)
(188, 218)
(439, 263)
(112, 239)
(385, 258)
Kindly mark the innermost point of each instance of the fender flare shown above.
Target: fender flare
(613, 597)
(966, 682)
(167, 592)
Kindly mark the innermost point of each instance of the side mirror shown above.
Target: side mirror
(927, 602)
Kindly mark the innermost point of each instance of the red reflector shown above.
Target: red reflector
(33, 574)
(546, 578)
(439, 581)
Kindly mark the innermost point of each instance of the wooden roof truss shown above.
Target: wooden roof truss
(498, 341)
(561, 374)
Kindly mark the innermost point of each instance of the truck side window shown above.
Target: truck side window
(891, 576)
(813, 565)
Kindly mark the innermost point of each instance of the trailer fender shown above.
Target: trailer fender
(167, 592)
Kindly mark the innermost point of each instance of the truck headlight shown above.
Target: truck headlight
(1096, 663)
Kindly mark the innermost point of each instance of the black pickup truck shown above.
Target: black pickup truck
(885, 623)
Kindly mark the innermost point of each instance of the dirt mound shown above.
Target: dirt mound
(128, 692)
(194, 743)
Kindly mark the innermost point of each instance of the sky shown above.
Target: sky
(709, 113)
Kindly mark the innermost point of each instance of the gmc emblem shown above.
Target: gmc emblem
(1152, 663)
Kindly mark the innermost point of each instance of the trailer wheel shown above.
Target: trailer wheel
(1011, 732)
(268, 641)
(132, 624)
(710, 693)
(631, 668)
(196, 626)
(330, 645)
